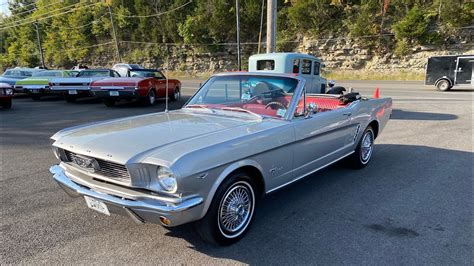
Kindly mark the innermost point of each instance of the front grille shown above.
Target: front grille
(106, 168)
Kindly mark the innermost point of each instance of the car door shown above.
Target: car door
(160, 85)
(464, 70)
(321, 138)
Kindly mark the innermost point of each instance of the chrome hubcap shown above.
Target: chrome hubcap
(177, 94)
(367, 146)
(151, 97)
(236, 209)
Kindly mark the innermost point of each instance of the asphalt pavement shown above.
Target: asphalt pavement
(412, 205)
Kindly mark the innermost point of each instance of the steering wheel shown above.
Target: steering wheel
(279, 104)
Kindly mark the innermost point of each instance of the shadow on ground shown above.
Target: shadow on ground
(411, 115)
(325, 216)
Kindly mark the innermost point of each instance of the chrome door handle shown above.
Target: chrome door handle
(347, 114)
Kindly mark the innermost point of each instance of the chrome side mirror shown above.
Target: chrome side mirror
(310, 109)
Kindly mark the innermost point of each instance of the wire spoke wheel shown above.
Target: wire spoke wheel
(236, 209)
(367, 146)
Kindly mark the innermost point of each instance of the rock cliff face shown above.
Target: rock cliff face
(337, 54)
(347, 55)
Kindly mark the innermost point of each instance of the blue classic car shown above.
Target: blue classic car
(75, 87)
(12, 75)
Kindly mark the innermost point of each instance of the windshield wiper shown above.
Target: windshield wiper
(239, 109)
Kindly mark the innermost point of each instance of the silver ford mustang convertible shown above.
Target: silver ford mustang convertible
(241, 136)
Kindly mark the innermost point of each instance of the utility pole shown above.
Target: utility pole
(261, 27)
(115, 35)
(38, 37)
(271, 25)
(237, 15)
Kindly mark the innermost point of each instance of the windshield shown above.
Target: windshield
(261, 95)
(17, 73)
(147, 73)
(95, 73)
(48, 74)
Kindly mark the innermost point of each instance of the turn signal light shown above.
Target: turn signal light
(164, 220)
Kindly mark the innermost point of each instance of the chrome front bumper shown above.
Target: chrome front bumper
(149, 210)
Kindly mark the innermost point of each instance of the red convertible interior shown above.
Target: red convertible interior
(271, 107)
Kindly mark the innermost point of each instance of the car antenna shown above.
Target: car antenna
(166, 97)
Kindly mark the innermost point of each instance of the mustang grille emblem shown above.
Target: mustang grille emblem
(87, 163)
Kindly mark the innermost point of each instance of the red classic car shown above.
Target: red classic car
(145, 85)
(6, 95)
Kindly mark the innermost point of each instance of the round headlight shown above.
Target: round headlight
(9, 92)
(166, 179)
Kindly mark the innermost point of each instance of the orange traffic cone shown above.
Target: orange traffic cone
(376, 93)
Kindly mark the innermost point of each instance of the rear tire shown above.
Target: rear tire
(71, 99)
(231, 211)
(109, 102)
(7, 104)
(443, 85)
(364, 151)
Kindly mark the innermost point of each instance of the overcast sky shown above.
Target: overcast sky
(4, 7)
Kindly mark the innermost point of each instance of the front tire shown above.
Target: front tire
(231, 211)
(176, 96)
(36, 97)
(364, 151)
(150, 98)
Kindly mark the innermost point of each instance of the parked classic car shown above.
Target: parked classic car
(75, 87)
(6, 95)
(143, 84)
(39, 84)
(12, 75)
(242, 135)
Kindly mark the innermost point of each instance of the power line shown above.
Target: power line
(160, 13)
(33, 9)
(48, 12)
(55, 15)
(84, 47)
(78, 27)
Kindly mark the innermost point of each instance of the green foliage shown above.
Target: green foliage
(413, 26)
(76, 36)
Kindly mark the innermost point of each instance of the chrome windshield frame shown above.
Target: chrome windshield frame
(294, 99)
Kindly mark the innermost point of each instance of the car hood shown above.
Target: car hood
(117, 82)
(131, 139)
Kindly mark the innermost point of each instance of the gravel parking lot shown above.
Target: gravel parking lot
(412, 205)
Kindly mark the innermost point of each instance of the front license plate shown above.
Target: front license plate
(72, 91)
(97, 205)
(113, 93)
